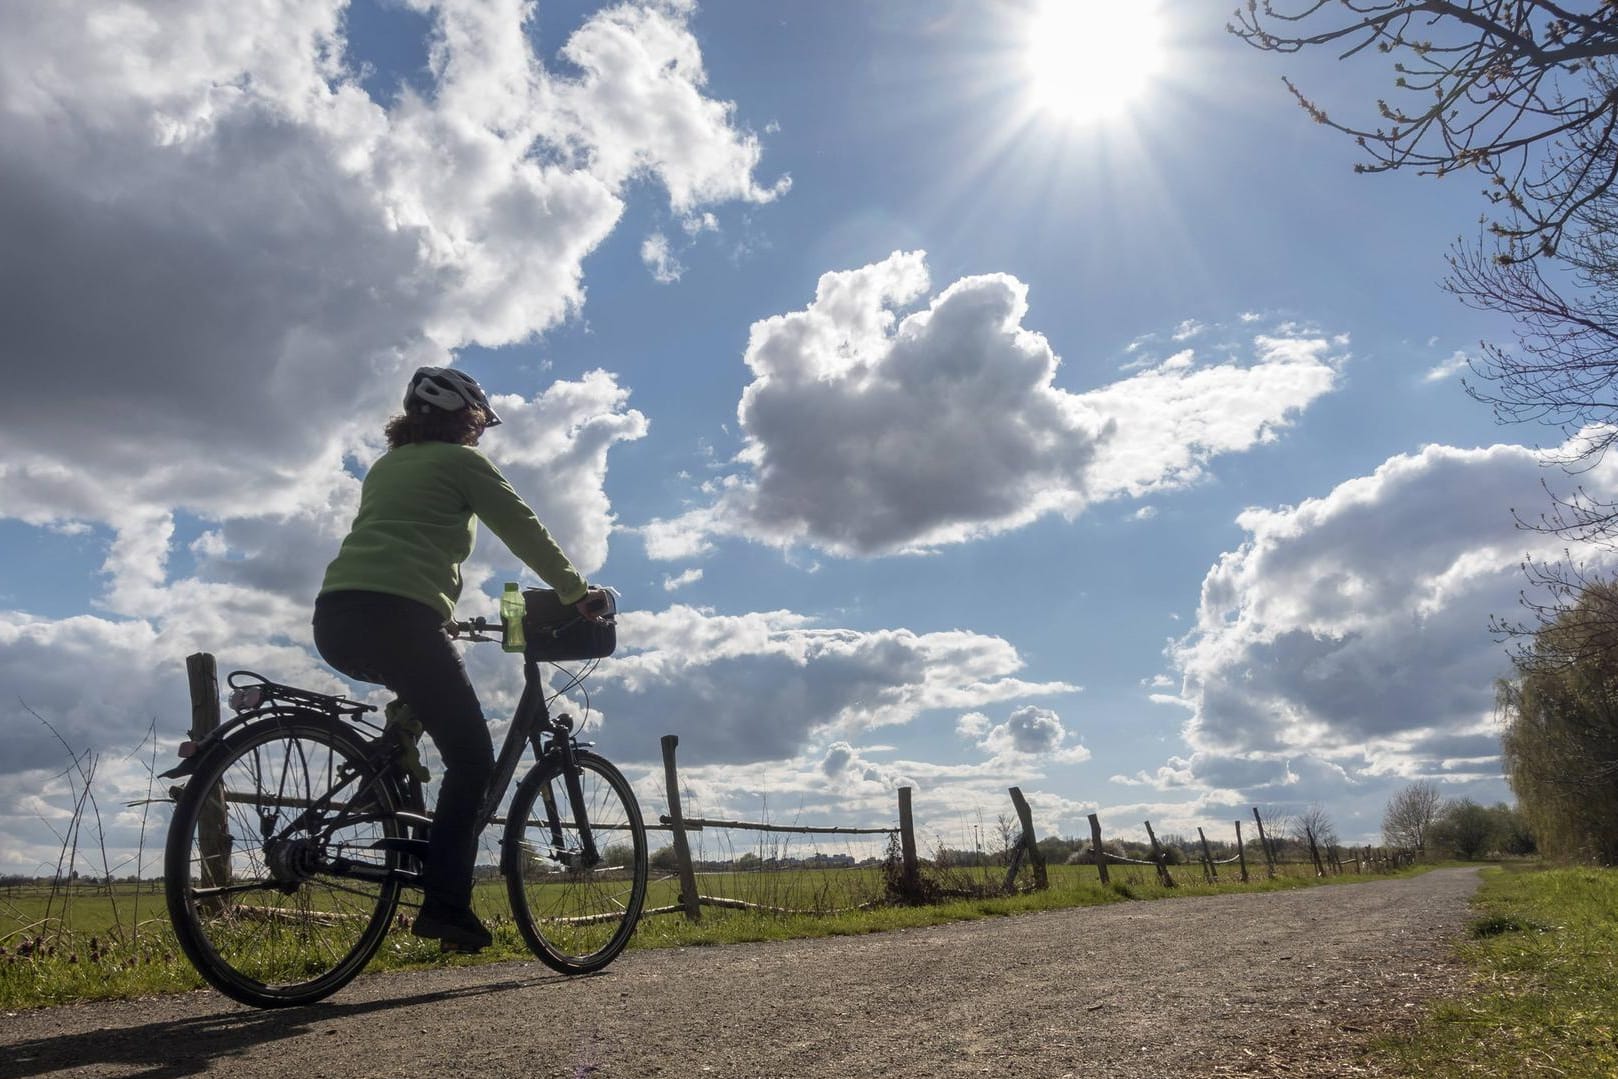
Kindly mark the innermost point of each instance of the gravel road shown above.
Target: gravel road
(1283, 983)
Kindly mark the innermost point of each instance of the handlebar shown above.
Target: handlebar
(484, 629)
(476, 629)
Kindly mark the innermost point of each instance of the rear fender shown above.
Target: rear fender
(221, 738)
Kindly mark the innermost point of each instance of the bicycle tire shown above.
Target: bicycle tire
(257, 904)
(575, 918)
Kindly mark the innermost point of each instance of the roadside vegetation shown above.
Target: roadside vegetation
(1544, 998)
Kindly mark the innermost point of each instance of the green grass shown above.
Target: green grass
(85, 953)
(1544, 951)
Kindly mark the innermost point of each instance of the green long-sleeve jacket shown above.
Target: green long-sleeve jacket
(417, 522)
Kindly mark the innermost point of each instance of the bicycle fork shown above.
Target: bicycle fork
(571, 779)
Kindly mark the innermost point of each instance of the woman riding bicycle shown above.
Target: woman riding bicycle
(381, 610)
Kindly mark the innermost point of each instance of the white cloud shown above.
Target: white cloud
(1458, 361)
(654, 252)
(763, 686)
(690, 576)
(639, 108)
(697, 224)
(1353, 629)
(1030, 731)
(845, 765)
(973, 725)
(226, 255)
(554, 447)
(870, 433)
(224, 250)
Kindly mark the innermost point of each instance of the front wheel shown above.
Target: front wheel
(279, 869)
(576, 910)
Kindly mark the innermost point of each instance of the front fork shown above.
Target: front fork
(571, 778)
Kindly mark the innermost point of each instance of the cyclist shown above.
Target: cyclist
(381, 610)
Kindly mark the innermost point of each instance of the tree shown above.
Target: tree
(1465, 829)
(1559, 719)
(619, 854)
(1313, 829)
(1009, 832)
(1314, 822)
(1513, 834)
(1409, 815)
(1525, 93)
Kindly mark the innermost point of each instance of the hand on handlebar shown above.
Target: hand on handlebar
(594, 605)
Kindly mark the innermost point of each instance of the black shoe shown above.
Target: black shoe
(456, 927)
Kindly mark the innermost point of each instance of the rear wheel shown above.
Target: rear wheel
(576, 913)
(279, 860)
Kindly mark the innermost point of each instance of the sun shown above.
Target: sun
(1088, 61)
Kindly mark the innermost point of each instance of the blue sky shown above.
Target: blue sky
(941, 422)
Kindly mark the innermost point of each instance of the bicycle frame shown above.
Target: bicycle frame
(551, 736)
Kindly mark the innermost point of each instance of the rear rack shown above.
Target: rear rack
(249, 690)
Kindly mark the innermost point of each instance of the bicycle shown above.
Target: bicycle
(299, 825)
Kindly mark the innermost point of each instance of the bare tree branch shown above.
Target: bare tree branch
(1480, 84)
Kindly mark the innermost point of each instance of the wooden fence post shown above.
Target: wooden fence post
(213, 834)
(1208, 869)
(1036, 858)
(1241, 852)
(909, 869)
(1097, 848)
(1160, 856)
(1314, 851)
(1264, 844)
(682, 848)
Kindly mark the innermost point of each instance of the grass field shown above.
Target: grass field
(99, 943)
(1544, 949)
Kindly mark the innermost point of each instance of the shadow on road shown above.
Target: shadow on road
(183, 1047)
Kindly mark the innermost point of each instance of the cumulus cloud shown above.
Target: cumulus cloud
(871, 432)
(223, 249)
(844, 765)
(764, 686)
(223, 255)
(1351, 630)
(639, 107)
(1030, 731)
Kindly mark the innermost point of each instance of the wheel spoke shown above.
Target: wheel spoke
(577, 919)
(311, 931)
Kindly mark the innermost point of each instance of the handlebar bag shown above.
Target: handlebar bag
(555, 632)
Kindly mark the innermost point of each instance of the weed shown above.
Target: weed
(1496, 924)
(1545, 999)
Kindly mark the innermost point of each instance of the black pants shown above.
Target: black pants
(401, 644)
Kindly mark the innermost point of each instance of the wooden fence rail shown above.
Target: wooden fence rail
(1026, 847)
(1024, 850)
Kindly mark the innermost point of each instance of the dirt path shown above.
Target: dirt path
(1284, 983)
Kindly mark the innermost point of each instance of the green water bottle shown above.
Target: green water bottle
(511, 611)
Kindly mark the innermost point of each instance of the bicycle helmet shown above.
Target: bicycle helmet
(447, 389)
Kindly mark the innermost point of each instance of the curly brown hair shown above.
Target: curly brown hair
(462, 427)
